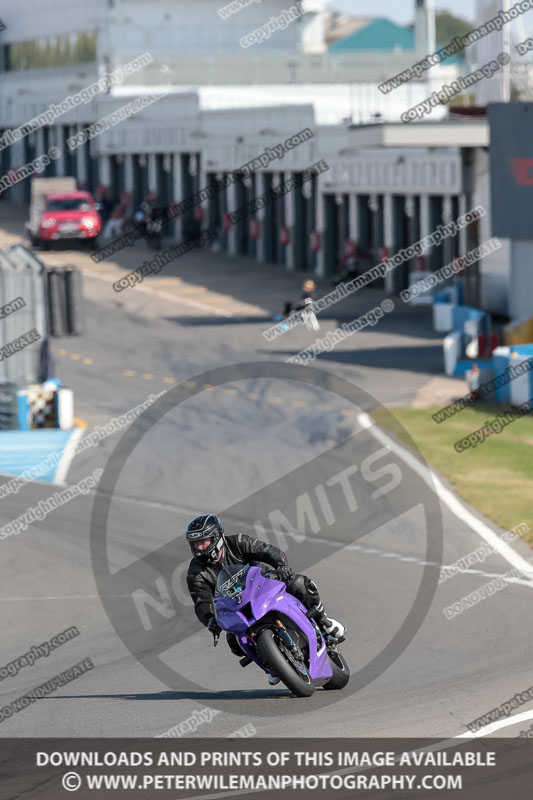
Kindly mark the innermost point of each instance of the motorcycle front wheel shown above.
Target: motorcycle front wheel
(283, 665)
(341, 671)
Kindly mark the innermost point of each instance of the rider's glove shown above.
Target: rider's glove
(213, 626)
(285, 573)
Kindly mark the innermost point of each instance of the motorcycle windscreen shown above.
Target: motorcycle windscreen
(231, 580)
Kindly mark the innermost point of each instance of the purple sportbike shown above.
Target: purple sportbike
(275, 630)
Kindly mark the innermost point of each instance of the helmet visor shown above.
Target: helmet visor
(202, 544)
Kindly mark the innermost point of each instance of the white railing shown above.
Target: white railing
(270, 68)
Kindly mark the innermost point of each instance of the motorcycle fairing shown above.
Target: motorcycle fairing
(260, 596)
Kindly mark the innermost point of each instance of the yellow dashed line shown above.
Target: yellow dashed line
(87, 361)
(129, 372)
(207, 387)
(75, 356)
(230, 391)
(62, 352)
(348, 412)
(169, 380)
(323, 408)
(190, 384)
(253, 395)
(147, 376)
(275, 400)
(80, 422)
(298, 403)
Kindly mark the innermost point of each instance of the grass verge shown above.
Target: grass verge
(496, 476)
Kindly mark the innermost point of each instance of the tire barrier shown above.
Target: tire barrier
(64, 301)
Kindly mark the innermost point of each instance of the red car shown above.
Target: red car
(69, 216)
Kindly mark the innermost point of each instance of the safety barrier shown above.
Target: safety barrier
(23, 325)
(36, 302)
(510, 361)
(8, 407)
(64, 301)
(444, 303)
(470, 339)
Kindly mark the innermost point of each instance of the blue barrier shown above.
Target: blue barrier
(23, 411)
(451, 294)
(444, 304)
(519, 388)
(460, 346)
(22, 450)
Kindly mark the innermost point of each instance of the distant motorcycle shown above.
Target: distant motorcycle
(275, 631)
(305, 309)
(154, 229)
(148, 221)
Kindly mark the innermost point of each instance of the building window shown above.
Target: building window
(51, 51)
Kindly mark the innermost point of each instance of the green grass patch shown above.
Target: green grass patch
(496, 476)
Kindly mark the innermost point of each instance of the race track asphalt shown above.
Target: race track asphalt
(259, 449)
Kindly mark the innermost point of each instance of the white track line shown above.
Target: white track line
(66, 459)
(174, 298)
(455, 741)
(496, 726)
(64, 597)
(447, 497)
(419, 561)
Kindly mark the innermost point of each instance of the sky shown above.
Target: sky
(401, 11)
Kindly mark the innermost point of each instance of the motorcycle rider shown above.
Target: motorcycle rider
(153, 220)
(212, 550)
(308, 289)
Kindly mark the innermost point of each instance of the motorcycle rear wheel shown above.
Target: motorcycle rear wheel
(280, 666)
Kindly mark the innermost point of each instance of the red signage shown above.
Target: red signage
(226, 222)
(199, 213)
(350, 248)
(255, 228)
(284, 235)
(522, 171)
(315, 241)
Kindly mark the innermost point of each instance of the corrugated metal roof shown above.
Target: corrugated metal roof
(379, 34)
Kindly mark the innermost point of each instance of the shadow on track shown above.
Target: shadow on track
(422, 359)
(233, 694)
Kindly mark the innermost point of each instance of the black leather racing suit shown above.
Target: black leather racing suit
(243, 549)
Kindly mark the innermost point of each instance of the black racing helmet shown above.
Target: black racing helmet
(205, 535)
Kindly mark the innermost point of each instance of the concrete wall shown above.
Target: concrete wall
(495, 269)
(258, 129)
(33, 18)
(177, 128)
(182, 26)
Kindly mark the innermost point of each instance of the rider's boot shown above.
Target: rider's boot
(334, 628)
(328, 625)
(306, 591)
